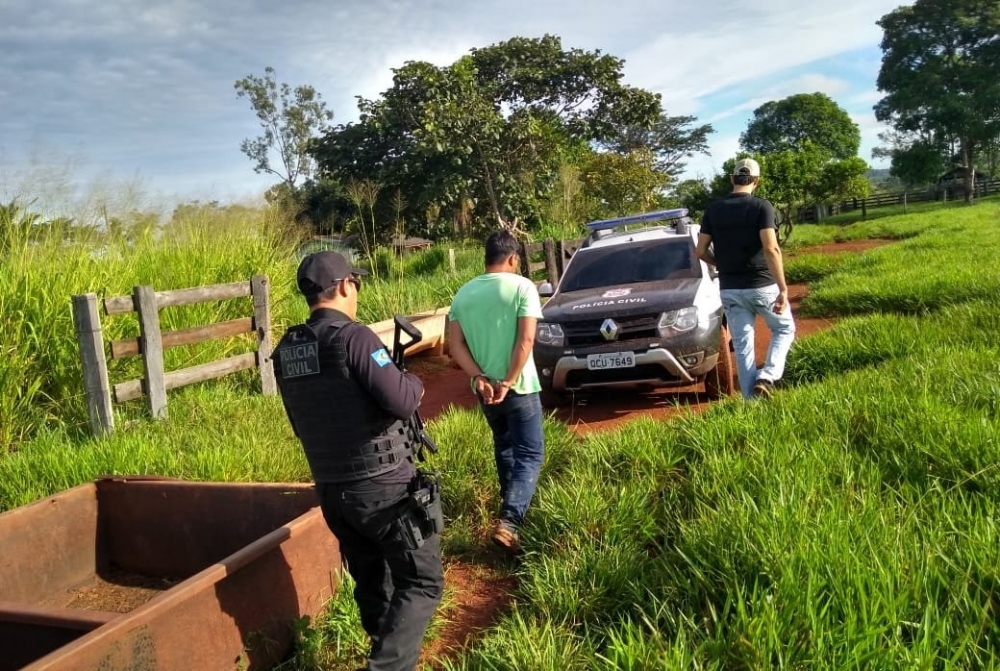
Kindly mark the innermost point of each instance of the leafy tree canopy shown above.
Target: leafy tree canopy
(914, 159)
(940, 65)
(484, 138)
(621, 184)
(671, 139)
(289, 120)
(694, 194)
(783, 125)
(804, 176)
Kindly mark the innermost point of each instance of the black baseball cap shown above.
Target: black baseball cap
(320, 271)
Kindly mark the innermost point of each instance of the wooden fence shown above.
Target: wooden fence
(555, 254)
(151, 342)
(957, 190)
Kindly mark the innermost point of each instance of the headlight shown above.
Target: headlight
(678, 321)
(550, 334)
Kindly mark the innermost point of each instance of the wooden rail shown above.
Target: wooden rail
(152, 341)
(936, 192)
(555, 255)
(432, 326)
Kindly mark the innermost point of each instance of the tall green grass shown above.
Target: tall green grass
(40, 377)
(845, 524)
(848, 522)
(40, 371)
(414, 282)
(938, 259)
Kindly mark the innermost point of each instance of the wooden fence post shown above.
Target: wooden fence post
(90, 338)
(551, 269)
(525, 261)
(451, 259)
(864, 208)
(151, 346)
(262, 325)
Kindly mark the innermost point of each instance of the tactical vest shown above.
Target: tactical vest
(345, 434)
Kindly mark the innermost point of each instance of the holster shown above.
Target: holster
(423, 516)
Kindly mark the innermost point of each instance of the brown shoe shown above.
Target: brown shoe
(505, 535)
(763, 389)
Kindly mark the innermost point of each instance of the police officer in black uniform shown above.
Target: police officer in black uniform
(352, 407)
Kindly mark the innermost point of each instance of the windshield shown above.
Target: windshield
(628, 264)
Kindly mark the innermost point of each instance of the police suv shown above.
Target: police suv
(635, 307)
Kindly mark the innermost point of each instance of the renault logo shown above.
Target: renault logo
(609, 329)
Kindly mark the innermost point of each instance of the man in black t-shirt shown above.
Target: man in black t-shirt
(742, 234)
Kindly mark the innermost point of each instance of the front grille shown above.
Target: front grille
(629, 328)
(577, 378)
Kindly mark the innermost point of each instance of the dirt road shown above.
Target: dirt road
(480, 592)
(446, 385)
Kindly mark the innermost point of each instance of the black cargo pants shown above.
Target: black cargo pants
(397, 590)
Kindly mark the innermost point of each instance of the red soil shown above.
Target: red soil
(446, 385)
(481, 594)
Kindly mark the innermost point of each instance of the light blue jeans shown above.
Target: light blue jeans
(742, 307)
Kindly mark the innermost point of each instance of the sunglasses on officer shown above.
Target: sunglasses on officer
(355, 280)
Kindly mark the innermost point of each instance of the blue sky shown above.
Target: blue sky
(94, 95)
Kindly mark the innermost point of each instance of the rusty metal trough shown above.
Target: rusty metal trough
(226, 569)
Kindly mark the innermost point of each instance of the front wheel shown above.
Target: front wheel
(721, 380)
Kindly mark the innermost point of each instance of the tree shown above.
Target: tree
(487, 136)
(290, 120)
(788, 177)
(781, 125)
(694, 194)
(915, 159)
(622, 184)
(841, 180)
(940, 60)
(804, 176)
(807, 146)
(990, 156)
(671, 139)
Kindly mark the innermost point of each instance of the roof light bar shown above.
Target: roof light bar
(606, 224)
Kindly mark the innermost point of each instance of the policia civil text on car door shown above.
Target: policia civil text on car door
(351, 408)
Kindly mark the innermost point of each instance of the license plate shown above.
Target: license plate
(610, 360)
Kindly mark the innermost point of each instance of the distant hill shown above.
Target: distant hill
(880, 178)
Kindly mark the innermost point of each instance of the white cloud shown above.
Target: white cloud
(866, 98)
(706, 166)
(148, 89)
(807, 83)
(743, 46)
(870, 128)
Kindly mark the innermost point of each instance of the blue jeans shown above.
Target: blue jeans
(742, 307)
(519, 448)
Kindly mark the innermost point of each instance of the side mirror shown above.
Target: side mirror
(545, 290)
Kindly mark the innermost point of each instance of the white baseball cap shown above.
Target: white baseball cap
(747, 166)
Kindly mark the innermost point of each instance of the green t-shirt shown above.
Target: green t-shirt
(487, 308)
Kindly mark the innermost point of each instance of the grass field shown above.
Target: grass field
(849, 522)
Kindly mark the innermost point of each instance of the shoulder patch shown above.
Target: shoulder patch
(381, 357)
